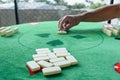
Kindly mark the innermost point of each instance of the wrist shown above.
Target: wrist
(80, 17)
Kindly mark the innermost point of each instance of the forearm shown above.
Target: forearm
(101, 14)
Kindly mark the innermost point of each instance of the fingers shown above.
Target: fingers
(67, 27)
(61, 22)
(65, 23)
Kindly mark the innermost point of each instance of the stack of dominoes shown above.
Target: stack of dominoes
(51, 62)
(8, 31)
(109, 29)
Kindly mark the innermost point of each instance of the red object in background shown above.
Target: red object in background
(34, 23)
(33, 72)
(117, 67)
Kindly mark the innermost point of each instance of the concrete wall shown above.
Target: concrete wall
(7, 16)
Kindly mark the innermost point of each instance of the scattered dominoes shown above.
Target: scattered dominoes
(8, 31)
(51, 62)
(109, 29)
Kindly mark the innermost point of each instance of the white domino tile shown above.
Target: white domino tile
(39, 55)
(42, 49)
(2, 32)
(52, 55)
(115, 32)
(62, 54)
(43, 52)
(107, 31)
(15, 30)
(57, 59)
(33, 65)
(60, 51)
(9, 33)
(1, 28)
(62, 64)
(51, 70)
(72, 60)
(46, 58)
(62, 32)
(57, 49)
(45, 64)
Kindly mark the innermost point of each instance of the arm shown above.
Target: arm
(100, 14)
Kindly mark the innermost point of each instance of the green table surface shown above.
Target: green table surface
(96, 53)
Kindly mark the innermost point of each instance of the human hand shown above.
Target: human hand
(67, 22)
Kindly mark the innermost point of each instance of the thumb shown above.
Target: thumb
(68, 26)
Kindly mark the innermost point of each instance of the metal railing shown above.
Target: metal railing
(16, 14)
(25, 12)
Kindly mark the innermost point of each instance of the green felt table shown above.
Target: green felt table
(96, 53)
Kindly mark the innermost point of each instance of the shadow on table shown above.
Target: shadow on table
(88, 31)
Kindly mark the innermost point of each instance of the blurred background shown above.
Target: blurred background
(25, 11)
